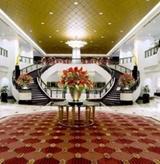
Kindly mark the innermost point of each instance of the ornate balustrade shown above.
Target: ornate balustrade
(126, 60)
(151, 51)
(25, 59)
(3, 52)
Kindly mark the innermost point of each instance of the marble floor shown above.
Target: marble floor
(151, 109)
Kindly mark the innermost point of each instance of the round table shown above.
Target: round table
(69, 113)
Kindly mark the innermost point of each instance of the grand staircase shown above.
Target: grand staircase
(38, 96)
(113, 97)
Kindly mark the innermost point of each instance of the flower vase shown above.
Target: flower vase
(75, 94)
(126, 87)
(25, 87)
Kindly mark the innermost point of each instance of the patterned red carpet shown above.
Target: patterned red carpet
(113, 139)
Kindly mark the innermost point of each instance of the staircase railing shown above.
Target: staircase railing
(126, 70)
(100, 93)
(31, 68)
(25, 59)
(121, 68)
(126, 60)
(26, 70)
(57, 93)
(54, 93)
(136, 84)
(152, 51)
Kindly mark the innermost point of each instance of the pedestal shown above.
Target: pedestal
(145, 98)
(25, 96)
(4, 97)
(126, 98)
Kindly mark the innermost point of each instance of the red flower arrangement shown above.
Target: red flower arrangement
(24, 80)
(126, 80)
(75, 78)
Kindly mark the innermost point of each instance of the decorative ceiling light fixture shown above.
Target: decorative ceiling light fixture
(76, 43)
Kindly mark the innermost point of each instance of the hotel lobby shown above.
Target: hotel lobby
(110, 123)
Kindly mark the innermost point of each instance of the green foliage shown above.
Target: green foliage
(4, 89)
(146, 89)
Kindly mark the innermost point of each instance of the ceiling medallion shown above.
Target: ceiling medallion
(76, 43)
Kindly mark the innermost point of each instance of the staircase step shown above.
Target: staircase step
(113, 97)
(38, 97)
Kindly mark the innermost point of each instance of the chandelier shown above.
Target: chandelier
(76, 43)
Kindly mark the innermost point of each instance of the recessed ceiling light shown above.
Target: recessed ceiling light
(40, 41)
(112, 41)
(30, 30)
(94, 30)
(109, 23)
(121, 31)
(2, 34)
(75, 3)
(91, 41)
(42, 22)
(100, 13)
(50, 36)
(102, 36)
(50, 13)
(57, 30)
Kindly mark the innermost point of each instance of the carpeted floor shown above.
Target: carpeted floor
(113, 139)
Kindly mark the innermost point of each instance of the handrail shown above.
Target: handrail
(137, 82)
(100, 93)
(120, 68)
(3, 52)
(25, 59)
(152, 51)
(26, 70)
(126, 60)
(60, 93)
(31, 68)
(126, 70)
(134, 86)
(55, 93)
(91, 94)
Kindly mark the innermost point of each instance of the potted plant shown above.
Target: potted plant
(145, 91)
(24, 80)
(76, 79)
(126, 81)
(4, 93)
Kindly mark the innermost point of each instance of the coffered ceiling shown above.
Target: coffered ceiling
(101, 23)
